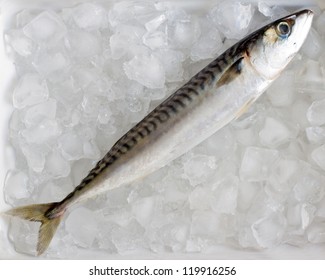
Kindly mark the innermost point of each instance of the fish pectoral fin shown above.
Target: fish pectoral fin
(231, 73)
(242, 110)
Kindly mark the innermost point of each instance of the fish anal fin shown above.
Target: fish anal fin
(231, 73)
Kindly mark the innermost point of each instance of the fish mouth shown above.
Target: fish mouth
(303, 20)
(307, 13)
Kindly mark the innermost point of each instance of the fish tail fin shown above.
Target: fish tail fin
(38, 213)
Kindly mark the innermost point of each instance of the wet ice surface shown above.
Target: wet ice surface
(87, 73)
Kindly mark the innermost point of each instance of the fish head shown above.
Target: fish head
(277, 43)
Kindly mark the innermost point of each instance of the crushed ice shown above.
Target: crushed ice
(89, 72)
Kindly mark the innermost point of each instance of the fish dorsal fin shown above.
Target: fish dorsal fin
(231, 73)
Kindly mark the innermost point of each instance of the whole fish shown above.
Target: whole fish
(219, 93)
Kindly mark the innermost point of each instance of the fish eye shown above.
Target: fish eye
(283, 29)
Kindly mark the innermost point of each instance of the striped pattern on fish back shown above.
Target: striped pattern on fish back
(172, 106)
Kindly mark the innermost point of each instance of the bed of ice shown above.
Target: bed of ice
(88, 73)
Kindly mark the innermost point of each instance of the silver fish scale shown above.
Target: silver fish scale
(173, 106)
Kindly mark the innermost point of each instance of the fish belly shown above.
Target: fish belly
(217, 108)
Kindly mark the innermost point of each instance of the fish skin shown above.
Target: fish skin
(217, 94)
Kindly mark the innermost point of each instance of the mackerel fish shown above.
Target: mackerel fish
(216, 95)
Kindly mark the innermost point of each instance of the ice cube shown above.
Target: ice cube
(90, 16)
(44, 131)
(155, 40)
(90, 105)
(224, 195)
(205, 224)
(83, 44)
(15, 123)
(315, 134)
(293, 215)
(51, 63)
(143, 210)
(182, 30)
(307, 214)
(80, 169)
(126, 40)
(316, 233)
(275, 133)
(223, 138)
(208, 45)
(269, 230)
(128, 238)
(47, 28)
(316, 112)
(271, 11)
(174, 235)
(311, 79)
(299, 112)
(104, 115)
(82, 225)
(256, 164)
(199, 198)
(155, 23)
(24, 243)
(36, 114)
(132, 89)
(247, 192)
(56, 166)
(71, 146)
(310, 185)
(246, 137)
(53, 192)
(313, 45)
(104, 237)
(66, 94)
(102, 86)
(232, 18)
(134, 104)
(146, 70)
(35, 156)
(173, 197)
(246, 238)
(198, 168)
(155, 94)
(172, 63)
(118, 46)
(119, 198)
(131, 11)
(91, 150)
(16, 186)
(24, 17)
(282, 91)
(19, 42)
(318, 155)
(283, 174)
(83, 76)
(320, 209)
(31, 89)
(320, 23)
